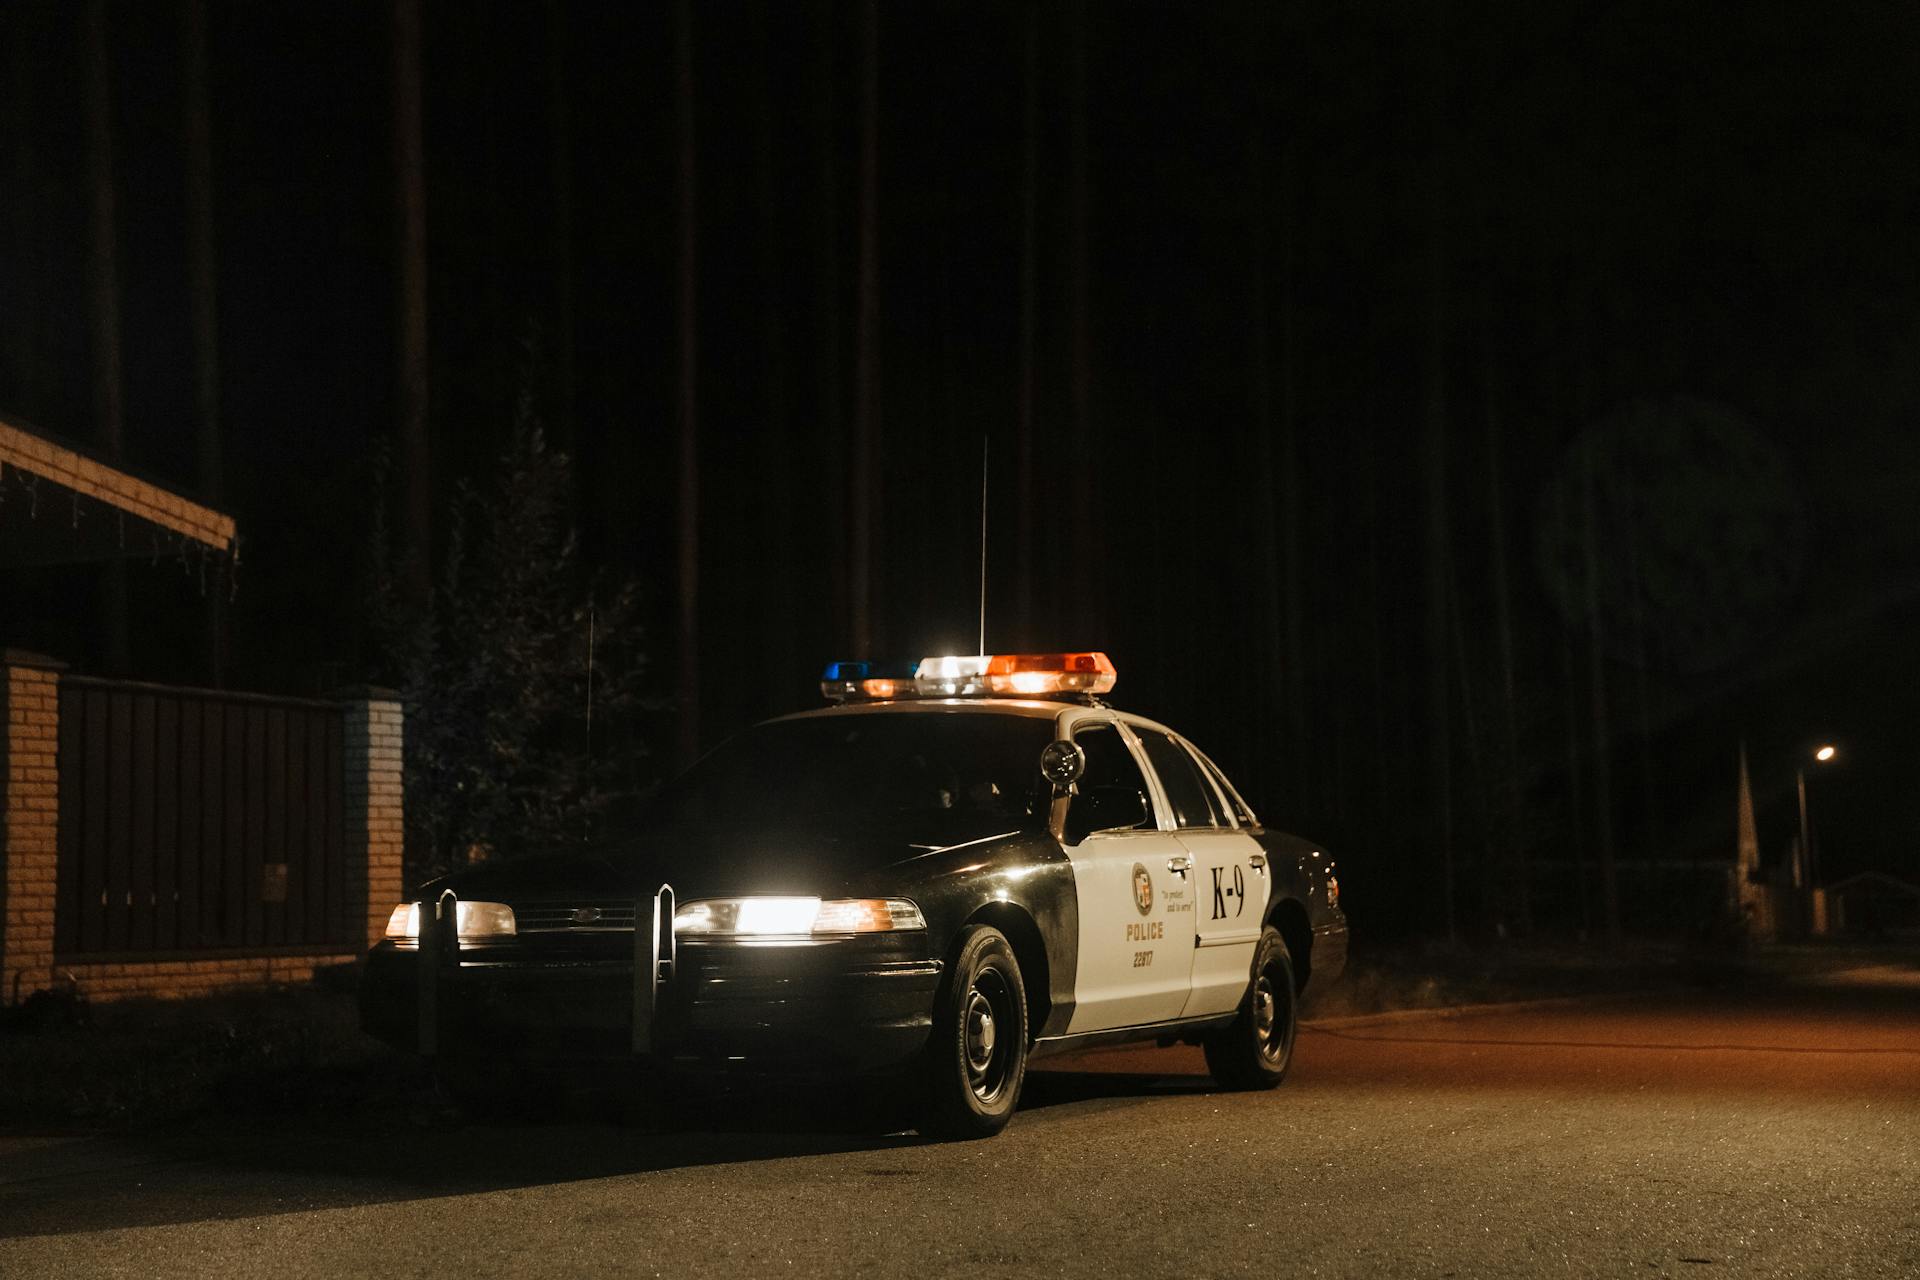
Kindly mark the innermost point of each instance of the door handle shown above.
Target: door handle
(1259, 861)
(1180, 866)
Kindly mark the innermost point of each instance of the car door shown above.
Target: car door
(1230, 877)
(1133, 886)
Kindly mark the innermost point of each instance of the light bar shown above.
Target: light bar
(1017, 675)
(867, 681)
(1044, 673)
(952, 676)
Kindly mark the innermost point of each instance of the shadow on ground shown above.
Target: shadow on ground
(294, 1113)
(227, 1167)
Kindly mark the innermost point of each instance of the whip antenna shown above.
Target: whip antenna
(983, 546)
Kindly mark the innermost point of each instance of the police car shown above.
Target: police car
(960, 865)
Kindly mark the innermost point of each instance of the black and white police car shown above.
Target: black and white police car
(961, 865)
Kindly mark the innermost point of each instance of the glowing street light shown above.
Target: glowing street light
(1823, 754)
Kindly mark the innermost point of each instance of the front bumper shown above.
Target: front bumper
(854, 1005)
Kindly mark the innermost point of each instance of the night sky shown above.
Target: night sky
(1320, 314)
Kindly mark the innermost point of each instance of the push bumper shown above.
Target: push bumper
(843, 1006)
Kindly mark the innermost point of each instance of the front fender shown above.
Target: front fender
(1010, 877)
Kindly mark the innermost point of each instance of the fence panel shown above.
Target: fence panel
(196, 821)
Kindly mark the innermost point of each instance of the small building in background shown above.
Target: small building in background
(1874, 904)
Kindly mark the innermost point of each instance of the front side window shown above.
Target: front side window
(1190, 794)
(1101, 798)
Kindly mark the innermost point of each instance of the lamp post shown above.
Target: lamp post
(1808, 863)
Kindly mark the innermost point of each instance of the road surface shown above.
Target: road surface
(1753, 1133)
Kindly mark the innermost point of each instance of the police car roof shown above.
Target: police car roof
(1035, 708)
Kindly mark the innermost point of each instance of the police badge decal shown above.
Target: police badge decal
(1142, 889)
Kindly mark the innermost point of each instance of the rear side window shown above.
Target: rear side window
(1190, 794)
(1234, 801)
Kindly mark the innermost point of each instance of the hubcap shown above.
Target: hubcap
(980, 1034)
(988, 1056)
(1272, 1020)
(1263, 1010)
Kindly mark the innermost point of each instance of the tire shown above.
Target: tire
(976, 1059)
(1255, 1051)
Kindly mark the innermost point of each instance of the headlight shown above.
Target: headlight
(475, 920)
(795, 917)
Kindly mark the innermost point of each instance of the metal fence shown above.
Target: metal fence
(197, 821)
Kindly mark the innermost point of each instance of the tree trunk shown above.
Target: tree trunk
(108, 378)
(1021, 634)
(1476, 757)
(416, 517)
(866, 407)
(1581, 354)
(1293, 584)
(1434, 475)
(1266, 503)
(1274, 469)
(830, 427)
(204, 302)
(1654, 888)
(1512, 842)
(511, 367)
(688, 684)
(1083, 462)
(1597, 689)
(776, 589)
(21, 318)
(560, 134)
(1576, 773)
(1376, 641)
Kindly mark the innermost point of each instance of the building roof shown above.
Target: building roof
(59, 505)
(1875, 879)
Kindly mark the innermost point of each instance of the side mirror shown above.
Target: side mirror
(1061, 764)
(1099, 809)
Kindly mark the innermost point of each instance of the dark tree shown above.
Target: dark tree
(1026, 412)
(205, 311)
(109, 380)
(520, 676)
(688, 683)
(410, 250)
(1438, 573)
(863, 484)
(560, 132)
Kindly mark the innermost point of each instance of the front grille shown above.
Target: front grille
(557, 917)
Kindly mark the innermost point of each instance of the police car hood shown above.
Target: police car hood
(702, 863)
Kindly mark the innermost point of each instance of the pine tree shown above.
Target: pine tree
(520, 673)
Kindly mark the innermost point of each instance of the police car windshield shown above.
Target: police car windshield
(933, 777)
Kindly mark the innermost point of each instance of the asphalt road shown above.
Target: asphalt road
(1759, 1132)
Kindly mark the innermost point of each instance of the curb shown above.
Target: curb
(1465, 1010)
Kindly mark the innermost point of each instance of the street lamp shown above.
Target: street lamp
(1807, 860)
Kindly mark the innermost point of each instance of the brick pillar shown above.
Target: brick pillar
(29, 820)
(375, 835)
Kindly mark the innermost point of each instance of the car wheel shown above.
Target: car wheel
(1255, 1051)
(977, 1056)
